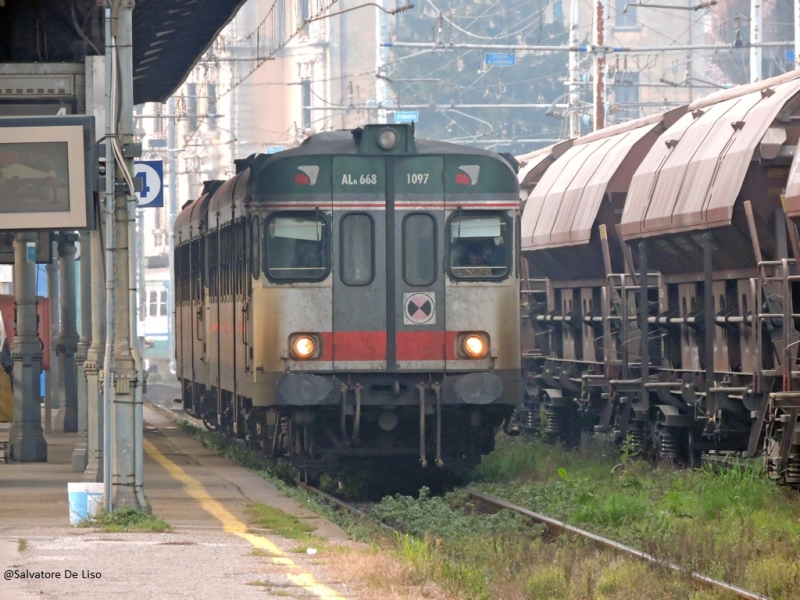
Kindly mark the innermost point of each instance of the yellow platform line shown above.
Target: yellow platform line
(231, 524)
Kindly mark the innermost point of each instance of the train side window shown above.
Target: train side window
(255, 246)
(419, 249)
(296, 247)
(357, 250)
(479, 246)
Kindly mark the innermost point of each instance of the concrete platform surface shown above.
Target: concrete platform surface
(211, 553)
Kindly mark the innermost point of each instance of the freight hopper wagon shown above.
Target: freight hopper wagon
(669, 317)
(355, 297)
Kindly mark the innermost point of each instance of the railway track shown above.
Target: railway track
(555, 526)
(493, 504)
(341, 505)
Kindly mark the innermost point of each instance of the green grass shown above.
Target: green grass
(128, 519)
(731, 524)
(279, 522)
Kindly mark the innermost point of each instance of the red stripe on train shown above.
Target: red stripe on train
(425, 345)
(354, 345)
(371, 345)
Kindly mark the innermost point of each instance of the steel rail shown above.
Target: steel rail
(560, 526)
(341, 504)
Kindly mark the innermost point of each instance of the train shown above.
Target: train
(661, 288)
(354, 298)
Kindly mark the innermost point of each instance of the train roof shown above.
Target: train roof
(277, 174)
(347, 141)
(563, 207)
(692, 179)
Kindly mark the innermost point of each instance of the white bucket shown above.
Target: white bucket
(84, 500)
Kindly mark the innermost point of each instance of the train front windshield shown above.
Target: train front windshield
(479, 247)
(296, 248)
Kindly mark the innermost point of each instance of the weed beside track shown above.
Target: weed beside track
(732, 525)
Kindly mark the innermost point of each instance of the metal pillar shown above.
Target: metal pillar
(67, 418)
(80, 454)
(110, 274)
(600, 68)
(381, 59)
(796, 34)
(51, 379)
(125, 374)
(574, 73)
(755, 38)
(94, 361)
(708, 320)
(644, 326)
(26, 436)
(172, 213)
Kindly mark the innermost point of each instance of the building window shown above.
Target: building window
(626, 96)
(157, 305)
(625, 18)
(212, 106)
(357, 255)
(158, 122)
(305, 86)
(191, 106)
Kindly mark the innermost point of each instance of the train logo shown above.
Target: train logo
(307, 175)
(420, 309)
(469, 174)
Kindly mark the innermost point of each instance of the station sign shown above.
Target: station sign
(790, 56)
(151, 172)
(406, 116)
(501, 60)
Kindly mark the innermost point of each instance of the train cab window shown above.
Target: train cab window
(479, 247)
(419, 249)
(357, 255)
(296, 248)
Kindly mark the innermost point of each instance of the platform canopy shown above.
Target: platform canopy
(169, 36)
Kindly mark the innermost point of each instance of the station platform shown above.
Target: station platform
(210, 553)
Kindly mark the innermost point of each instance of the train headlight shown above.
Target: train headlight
(474, 345)
(303, 347)
(387, 139)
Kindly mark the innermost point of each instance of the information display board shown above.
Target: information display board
(47, 173)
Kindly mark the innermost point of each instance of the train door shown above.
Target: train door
(415, 225)
(360, 271)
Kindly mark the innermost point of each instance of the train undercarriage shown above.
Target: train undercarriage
(428, 432)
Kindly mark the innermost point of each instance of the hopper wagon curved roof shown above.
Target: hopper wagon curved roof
(691, 178)
(563, 207)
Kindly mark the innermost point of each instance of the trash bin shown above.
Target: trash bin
(85, 500)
